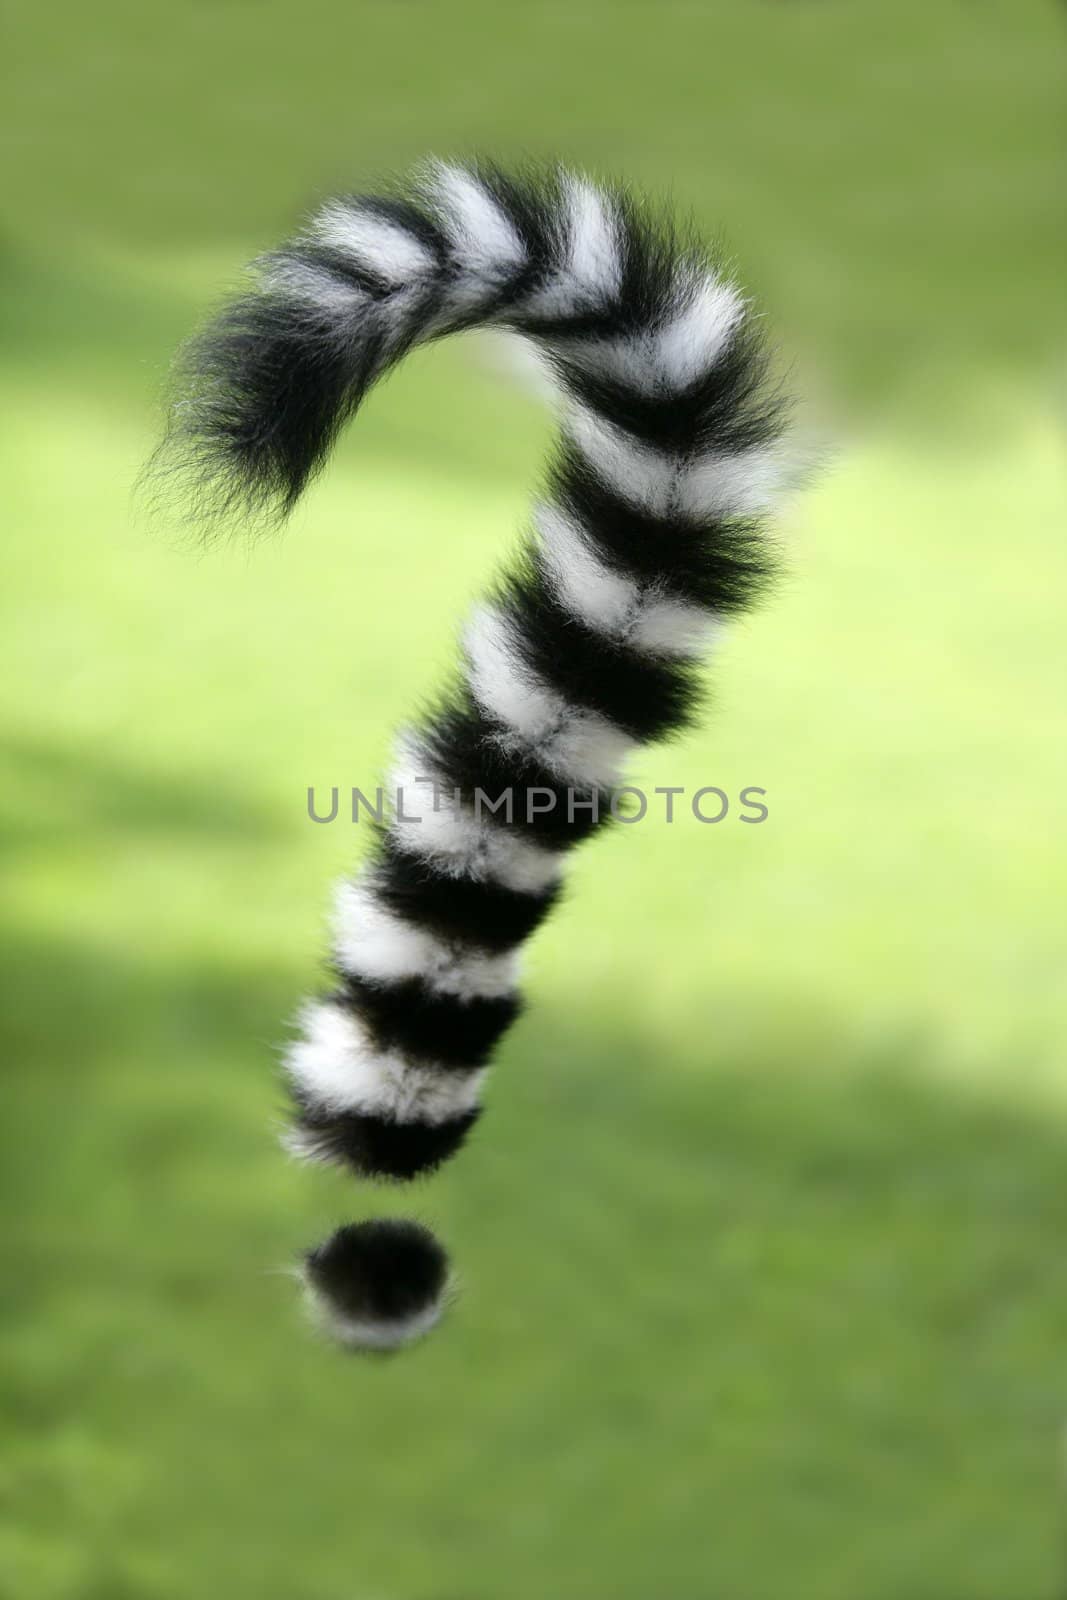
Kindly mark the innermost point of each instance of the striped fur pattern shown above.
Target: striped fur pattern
(646, 539)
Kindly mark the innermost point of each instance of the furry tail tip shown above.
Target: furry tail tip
(377, 1285)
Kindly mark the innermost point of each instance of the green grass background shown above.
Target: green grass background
(763, 1242)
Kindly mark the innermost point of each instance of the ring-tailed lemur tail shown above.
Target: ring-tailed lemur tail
(646, 537)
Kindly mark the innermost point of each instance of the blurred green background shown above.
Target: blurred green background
(762, 1243)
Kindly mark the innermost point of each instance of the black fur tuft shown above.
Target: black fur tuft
(378, 1284)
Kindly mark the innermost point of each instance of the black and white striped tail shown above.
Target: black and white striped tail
(646, 539)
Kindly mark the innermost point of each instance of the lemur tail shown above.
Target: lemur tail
(646, 538)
